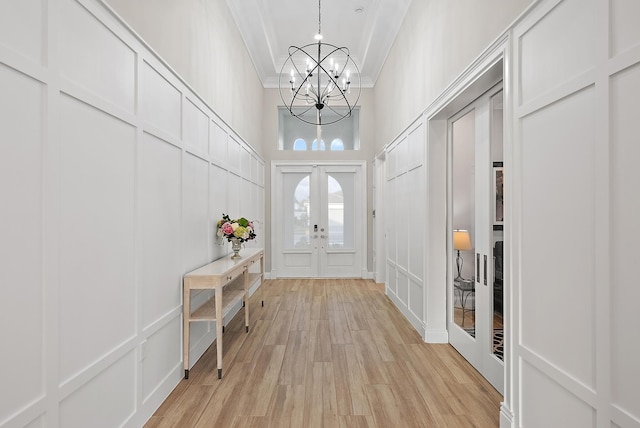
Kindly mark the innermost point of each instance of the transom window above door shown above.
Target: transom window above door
(300, 136)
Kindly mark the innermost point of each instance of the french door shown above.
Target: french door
(475, 321)
(319, 220)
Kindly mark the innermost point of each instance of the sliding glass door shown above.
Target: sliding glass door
(476, 221)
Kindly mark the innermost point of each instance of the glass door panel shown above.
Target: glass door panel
(300, 202)
(497, 199)
(463, 219)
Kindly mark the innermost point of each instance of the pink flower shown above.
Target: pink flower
(227, 229)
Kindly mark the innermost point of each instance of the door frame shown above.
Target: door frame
(485, 73)
(361, 233)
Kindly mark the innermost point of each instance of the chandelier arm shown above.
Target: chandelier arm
(339, 113)
(332, 79)
(301, 113)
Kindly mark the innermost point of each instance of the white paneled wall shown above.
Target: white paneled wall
(575, 215)
(572, 79)
(113, 174)
(404, 214)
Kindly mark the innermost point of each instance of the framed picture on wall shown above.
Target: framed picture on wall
(498, 200)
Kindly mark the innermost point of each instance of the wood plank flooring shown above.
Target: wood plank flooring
(329, 353)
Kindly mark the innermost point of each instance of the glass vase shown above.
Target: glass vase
(236, 246)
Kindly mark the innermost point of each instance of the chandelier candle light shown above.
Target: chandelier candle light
(316, 76)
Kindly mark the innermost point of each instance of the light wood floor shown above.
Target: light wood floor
(329, 353)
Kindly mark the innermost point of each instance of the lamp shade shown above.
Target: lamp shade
(461, 240)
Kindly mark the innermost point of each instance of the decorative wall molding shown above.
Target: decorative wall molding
(121, 169)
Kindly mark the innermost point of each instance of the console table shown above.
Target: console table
(230, 279)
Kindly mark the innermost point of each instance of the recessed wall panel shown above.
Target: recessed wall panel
(218, 203)
(402, 153)
(625, 212)
(161, 102)
(391, 162)
(97, 277)
(195, 212)
(416, 146)
(196, 128)
(161, 356)
(245, 202)
(403, 288)
(392, 229)
(545, 63)
(95, 58)
(260, 173)
(558, 253)
(245, 162)
(544, 403)
(624, 28)
(218, 143)
(233, 195)
(402, 225)
(159, 203)
(392, 280)
(415, 237)
(86, 407)
(254, 169)
(254, 211)
(21, 234)
(416, 298)
(22, 27)
(235, 154)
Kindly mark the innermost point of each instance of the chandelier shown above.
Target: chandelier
(318, 77)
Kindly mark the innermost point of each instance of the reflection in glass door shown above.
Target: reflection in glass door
(319, 210)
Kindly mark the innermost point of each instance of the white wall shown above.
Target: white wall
(404, 216)
(576, 78)
(572, 79)
(112, 175)
(200, 41)
(437, 41)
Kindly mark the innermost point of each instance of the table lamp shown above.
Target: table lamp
(461, 242)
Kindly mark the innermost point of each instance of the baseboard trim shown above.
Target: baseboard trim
(151, 403)
(410, 316)
(506, 416)
(436, 336)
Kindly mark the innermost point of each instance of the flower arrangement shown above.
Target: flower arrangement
(239, 229)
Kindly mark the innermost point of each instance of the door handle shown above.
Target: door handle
(478, 267)
(485, 269)
(322, 236)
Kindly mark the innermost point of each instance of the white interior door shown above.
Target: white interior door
(319, 220)
(475, 306)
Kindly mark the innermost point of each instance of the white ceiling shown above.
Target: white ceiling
(367, 27)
